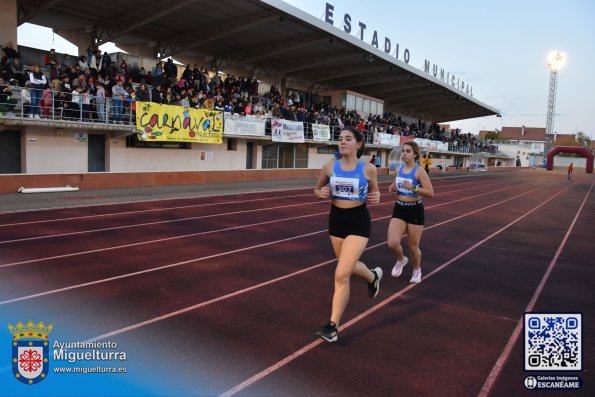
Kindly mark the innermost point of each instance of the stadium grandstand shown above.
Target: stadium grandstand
(260, 99)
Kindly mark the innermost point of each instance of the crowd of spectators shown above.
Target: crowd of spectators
(82, 89)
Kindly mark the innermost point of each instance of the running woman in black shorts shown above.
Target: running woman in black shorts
(411, 183)
(349, 182)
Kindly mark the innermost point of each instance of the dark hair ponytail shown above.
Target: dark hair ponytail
(359, 137)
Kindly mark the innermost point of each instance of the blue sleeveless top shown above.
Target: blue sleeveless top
(349, 185)
(401, 177)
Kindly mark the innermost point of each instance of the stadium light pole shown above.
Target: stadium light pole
(555, 61)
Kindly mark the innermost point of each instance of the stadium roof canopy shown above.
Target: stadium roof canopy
(268, 39)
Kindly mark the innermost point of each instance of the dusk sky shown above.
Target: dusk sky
(500, 48)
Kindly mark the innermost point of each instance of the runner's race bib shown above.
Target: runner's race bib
(345, 188)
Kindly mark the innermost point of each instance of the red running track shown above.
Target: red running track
(232, 288)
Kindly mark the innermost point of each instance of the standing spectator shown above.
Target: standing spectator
(118, 98)
(106, 61)
(411, 183)
(95, 63)
(349, 183)
(100, 101)
(46, 101)
(426, 162)
(171, 70)
(26, 99)
(158, 72)
(76, 103)
(124, 71)
(86, 103)
(38, 83)
(378, 161)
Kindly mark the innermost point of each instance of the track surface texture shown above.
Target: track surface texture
(219, 291)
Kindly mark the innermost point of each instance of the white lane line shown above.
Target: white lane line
(499, 365)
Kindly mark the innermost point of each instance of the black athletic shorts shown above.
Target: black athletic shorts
(343, 222)
(410, 212)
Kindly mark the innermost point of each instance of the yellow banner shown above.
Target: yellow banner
(156, 122)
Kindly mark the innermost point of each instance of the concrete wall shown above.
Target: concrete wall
(8, 23)
(103, 180)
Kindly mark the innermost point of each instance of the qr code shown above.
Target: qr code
(553, 341)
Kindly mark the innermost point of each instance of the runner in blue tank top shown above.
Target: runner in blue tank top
(349, 183)
(411, 183)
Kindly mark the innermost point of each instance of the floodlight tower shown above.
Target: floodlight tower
(555, 61)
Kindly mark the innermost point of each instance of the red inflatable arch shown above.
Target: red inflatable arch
(570, 149)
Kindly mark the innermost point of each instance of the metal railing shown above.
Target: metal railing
(59, 107)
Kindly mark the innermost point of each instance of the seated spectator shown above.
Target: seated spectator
(56, 73)
(66, 63)
(17, 72)
(7, 102)
(156, 93)
(3, 57)
(51, 59)
(148, 78)
(142, 93)
(9, 53)
(83, 65)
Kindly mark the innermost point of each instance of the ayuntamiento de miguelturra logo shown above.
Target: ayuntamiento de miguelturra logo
(30, 351)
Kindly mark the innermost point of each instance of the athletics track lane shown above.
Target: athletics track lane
(231, 331)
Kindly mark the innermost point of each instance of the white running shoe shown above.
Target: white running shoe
(398, 268)
(416, 277)
(374, 286)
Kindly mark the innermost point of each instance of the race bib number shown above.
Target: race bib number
(346, 188)
(401, 186)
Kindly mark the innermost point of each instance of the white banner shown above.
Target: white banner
(287, 131)
(432, 145)
(236, 124)
(389, 139)
(321, 132)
